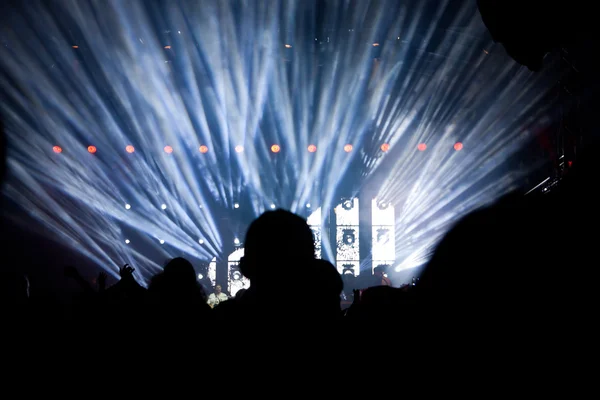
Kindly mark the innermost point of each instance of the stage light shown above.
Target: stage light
(239, 149)
(127, 241)
(383, 235)
(236, 241)
(458, 146)
(375, 44)
(161, 241)
(168, 47)
(273, 206)
(236, 205)
(200, 276)
(168, 149)
(382, 205)
(275, 148)
(288, 46)
(348, 148)
(347, 204)
(385, 147)
(57, 149)
(348, 269)
(130, 149)
(127, 206)
(236, 275)
(163, 206)
(92, 149)
(427, 190)
(307, 205)
(422, 147)
(349, 236)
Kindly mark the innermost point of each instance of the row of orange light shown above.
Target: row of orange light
(274, 148)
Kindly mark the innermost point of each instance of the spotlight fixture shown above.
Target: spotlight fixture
(385, 147)
(163, 206)
(383, 235)
(127, 241)
(57, 149)
(161, 241)
(168, 149)
(239, 149)
(92, 149)
(382, 205)
(312, 148)
(349, 236)
(273, 206)
(200, 241)
(127, 206)
(458, 146)
(275, 148)
(288, 46)
(348, 269)
(203, 149)
(236, 205)
(307, 205)
(348, 148)
(200, 276)
(347, 204)
(236, 275)
(130, 149)
(422, 147)
(236, 241)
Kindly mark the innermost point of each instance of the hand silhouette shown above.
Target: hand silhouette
(126, 272)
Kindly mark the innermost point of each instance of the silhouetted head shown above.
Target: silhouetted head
(379, 271)
(275, 240)
(180, 270)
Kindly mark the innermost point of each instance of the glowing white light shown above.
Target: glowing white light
(127, 241)
(273, 206)
(236, 241)
(162, 241)
(307, 205)
(200, 276)
(236, 205)
(127, 206)
(200, 241)
(163, 206)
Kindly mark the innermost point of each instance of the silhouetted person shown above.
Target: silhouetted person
(279, 255)
(217, 297)
(380, 278)
(177, 298)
